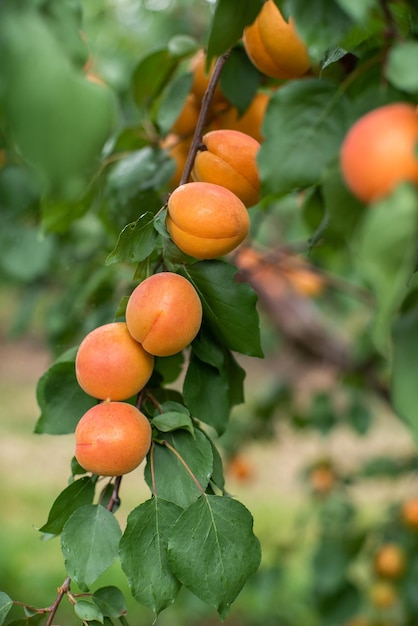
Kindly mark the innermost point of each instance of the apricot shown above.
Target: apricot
(110, 364)
(164, 313)
(274, 46)
(379, 151)
(206, 220)
(186, 121)
(389, 561)
(112, 438)
(251, 121)
(409, 513)
(228, 158)
(383, 594)
(202, 76)
(178, 149)
(322, 479)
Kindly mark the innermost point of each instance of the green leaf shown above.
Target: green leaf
(330, 562)
(304, 126)
(172, 481)
(26, 254)
(228, 23)
(343, 209)
(143, 553)
(169, 367)
(213, 551)
(136, 241)
(358, 10)
(110, 601)
(88, 611)
(151, 74)
(405, 357)
(385, 255)
(239, 80)
(171, 420)
(172, 101)
(61, 400)
(89, 543)
(321, 29)
(401, 68)
(77, 494)
(229, 307)
(6, 604)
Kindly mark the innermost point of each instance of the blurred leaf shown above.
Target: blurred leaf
(171, 479)
(152, 74)
(143, 553)
(136, 241)
(330, 563)
(228, 23)
(321, 29)
(302, 115)
(401, 68)
(405, 359)
(77, 494)
(182, 45)
(25, 253)
(343, 209)
(385, 248)
(358, 10)
(229, 307)
(239, 80)
(61, 400)
(6, 604)
(110, 601)
(58, 215)
(212, 550)
(172, 101)
(89, 543)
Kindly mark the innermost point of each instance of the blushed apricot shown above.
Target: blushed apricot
(164, 313)
(110, 364)
(112, 438)
(206, 220)
(229, 159)
(379, 151)
(251, 121)
(274, 46)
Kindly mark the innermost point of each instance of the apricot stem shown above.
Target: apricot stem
(204, 111)
(65, 588)
(165, 443)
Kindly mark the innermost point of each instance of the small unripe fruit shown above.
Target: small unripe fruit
(380, 151)
(164, 313)
(274, 46)
(206, 220)
(112, 439)
(228, 158)
(383, 594)
(110, 364)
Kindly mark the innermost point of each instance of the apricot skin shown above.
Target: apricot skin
(379, 151)
(389, 561)
(110, 364)
(251, 121)
(112, 438)
(274, 46)
(201, 78)
(206, 220)
(164, 313)
(229, 160)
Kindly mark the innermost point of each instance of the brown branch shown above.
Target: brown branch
(203, 116)
(64, 589)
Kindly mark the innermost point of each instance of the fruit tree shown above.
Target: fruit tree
(246, 188)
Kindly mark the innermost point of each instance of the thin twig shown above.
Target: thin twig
(203, 115)
(65, 587)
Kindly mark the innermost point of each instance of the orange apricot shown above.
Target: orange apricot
(389, 561)
(164, 313)
(201, 77)
(379, 151)
(178, 149)
(274, 46)
(409, 513)
(251, 121)
(112, 438)
(206, 220)
(110, 364)
(228, 158)
(186, 121)
(322, 479)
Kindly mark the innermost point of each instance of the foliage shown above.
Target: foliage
(83, 191)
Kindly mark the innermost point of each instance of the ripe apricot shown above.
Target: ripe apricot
(206, 220)
(186, 121)
(389, 561)
(251, 121)
(274, 46)
(228, 158)
(110, 364)
(379, 151)
(112, 438)
(201, 77)
(409, 513)
(164, 313)
(178, 149)
(322, 479)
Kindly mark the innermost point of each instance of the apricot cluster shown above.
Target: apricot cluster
(115, 361)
